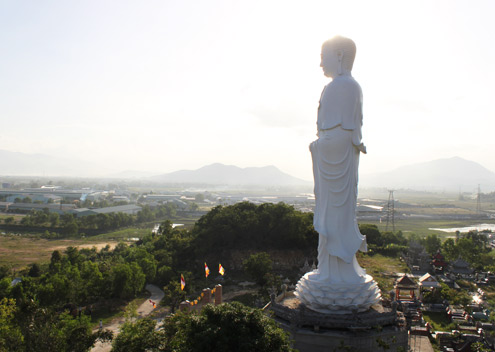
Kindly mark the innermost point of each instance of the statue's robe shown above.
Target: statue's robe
(335, 168)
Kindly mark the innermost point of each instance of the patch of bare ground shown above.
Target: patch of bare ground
(20, 251)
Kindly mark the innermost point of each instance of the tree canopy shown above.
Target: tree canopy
(224, 328)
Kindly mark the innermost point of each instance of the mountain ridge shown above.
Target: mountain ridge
(218, 173)
(440, 174)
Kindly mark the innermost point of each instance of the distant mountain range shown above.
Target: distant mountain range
(233, 175)
(452, 174)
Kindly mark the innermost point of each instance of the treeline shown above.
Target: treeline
(249, 226)
(472, 246)
(83, 277)
(70, 225)
(386, 243)
(49, 308)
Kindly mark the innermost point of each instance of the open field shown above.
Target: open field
(20, 251)
(17, 217)
(383, 269)
(421, 226)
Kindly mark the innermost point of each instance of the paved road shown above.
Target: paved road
(420, 343)
(143, 310)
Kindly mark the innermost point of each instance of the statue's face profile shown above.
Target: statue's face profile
(330, 62)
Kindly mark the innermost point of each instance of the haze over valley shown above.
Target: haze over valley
(452, 174)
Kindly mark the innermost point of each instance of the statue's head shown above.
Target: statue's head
(337, 56)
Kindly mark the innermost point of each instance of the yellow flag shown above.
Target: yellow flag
(207, 270)
(182, 282)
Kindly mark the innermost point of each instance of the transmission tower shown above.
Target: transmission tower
(478, 202)
(390, 210)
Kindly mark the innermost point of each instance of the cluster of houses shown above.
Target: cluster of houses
(471, 323)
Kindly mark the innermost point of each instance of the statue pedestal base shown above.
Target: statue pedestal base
(318, 332)
(336, 298)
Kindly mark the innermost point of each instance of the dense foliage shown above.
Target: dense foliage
(227, 327)
(40, 313)
(224, 328)
(249, 226)
(51, 293)
(386, 243)
(472, 247)
(70, 225)
(137, 336)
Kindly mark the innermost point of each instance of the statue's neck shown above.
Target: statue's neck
(343, 75)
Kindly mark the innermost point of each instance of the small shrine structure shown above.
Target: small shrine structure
(461, 268)
(406, 289)
(428, 281)
(438, 262)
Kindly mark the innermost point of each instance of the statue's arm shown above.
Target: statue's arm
(357, 137)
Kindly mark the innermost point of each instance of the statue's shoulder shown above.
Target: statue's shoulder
(344, 82)
(343, 86)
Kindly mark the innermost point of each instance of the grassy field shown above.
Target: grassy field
(422, 226)
(20, 251)
(383, 269)
(439, 321)
(17, 217)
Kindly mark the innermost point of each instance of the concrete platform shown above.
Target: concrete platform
(374, 330)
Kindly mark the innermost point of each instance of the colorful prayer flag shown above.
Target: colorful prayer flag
(182, 282)
(221, 270)
(207, 270)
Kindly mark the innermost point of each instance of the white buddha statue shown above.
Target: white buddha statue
(339, 284)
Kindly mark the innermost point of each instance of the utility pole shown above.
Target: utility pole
(390, 210)
(478, 203)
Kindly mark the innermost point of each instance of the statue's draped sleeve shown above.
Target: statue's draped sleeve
(341, 103)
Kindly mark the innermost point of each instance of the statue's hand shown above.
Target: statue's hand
(312, 146)
(361, 148)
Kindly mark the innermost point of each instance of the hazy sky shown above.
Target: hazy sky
(167, 85)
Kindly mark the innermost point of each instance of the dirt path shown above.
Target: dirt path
(228, 296)
(143, 310)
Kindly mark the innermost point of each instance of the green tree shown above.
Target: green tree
(468, 250)
(71, 228)
(54, 219)
(224, 328)
(46, 330)
(138, 336)
(432, 243)
(26, 221)
(128, 281)
(165, 228)
(9, 221)
(11, 339)
(257, 266)
(450, 250)
(174, 295)
(35, 270)
(373, 235)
